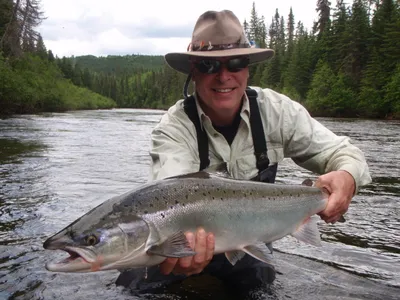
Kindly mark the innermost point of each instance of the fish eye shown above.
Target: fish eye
(91, 240)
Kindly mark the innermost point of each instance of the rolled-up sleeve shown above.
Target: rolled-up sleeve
(316, 148)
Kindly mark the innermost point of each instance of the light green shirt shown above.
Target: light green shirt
(289, 131)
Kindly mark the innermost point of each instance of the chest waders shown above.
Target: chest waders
(248, 272)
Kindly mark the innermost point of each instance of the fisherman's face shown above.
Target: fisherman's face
(220, 83)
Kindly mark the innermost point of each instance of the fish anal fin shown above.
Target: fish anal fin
(174, 246)
(260, 251)
(234, 256)
(269, 246)
(308, 232)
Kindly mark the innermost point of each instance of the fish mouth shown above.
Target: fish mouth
(79, 260)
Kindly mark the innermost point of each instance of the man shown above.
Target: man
(221, 122)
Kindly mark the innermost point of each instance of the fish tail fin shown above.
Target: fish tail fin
(308, 232)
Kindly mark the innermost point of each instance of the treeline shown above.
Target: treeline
(30, 79)
(124, 64)
(347, 65)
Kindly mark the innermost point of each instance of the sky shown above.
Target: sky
(148, 27)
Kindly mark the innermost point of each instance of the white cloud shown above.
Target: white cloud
(101, 27)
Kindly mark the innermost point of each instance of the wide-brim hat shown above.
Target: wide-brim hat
(217, 34)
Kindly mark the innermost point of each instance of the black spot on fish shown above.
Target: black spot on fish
(162, 215)
(157, 199)
(151, 205)
(222, 199)
(171, 207)
(145, 211)
(213, 198)
(183, 204)
(176, 202)
(204, 194)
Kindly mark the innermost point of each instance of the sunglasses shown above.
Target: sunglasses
(212, 66)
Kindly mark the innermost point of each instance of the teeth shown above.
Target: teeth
(223, 90)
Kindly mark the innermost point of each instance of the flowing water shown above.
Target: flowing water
(56, 167)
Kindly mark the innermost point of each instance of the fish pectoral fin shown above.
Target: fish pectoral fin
(260, 251)
(308, 232)
(234, 256)
(174, 246)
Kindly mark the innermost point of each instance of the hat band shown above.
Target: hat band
(203, 46)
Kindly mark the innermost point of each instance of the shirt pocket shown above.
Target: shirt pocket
(245, 167)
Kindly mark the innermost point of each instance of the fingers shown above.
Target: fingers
(185, 262)
(200, 248)
(203, 244)
(168, 265)
(210, 247)
(331, 214)
(340, 186)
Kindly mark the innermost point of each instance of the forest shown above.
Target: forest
(346, 65)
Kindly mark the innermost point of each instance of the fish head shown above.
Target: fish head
(104, 245)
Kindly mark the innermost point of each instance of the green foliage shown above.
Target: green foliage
(329, 94)
(120, 64)
(347, 65)
(30, 84)
(392, 94)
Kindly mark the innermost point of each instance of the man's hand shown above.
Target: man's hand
(203, 244)
(341, 187)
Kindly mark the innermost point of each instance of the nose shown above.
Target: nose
(223, 75)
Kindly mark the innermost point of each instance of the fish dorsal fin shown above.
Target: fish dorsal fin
(308, 232)
(219, 170)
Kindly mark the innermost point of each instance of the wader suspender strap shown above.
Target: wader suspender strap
(265, 173)
(190, 108)
(257, 131)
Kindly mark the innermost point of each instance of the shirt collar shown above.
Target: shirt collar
(245, 112)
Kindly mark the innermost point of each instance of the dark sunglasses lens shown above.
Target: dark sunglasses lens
(237, 64)
(208, 66)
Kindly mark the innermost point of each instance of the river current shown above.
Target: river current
(56, 167)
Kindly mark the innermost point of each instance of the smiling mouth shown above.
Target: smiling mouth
(227, 90)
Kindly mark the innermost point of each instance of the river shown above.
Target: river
(56, 167)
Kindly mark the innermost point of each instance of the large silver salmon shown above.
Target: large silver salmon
(144, 226)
